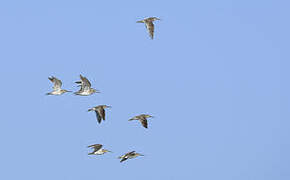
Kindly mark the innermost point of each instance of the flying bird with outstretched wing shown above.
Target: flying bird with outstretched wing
(142, 118)
(86, 88)
(149, 25)
(56, 87)
(97, 149)
(129, 155)
(100, 112)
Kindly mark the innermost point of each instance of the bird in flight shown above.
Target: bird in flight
(149, 25)
(86, 89)
(100, 112)
(142, 118)
(129, 155)
(97, 149)
(56, 87)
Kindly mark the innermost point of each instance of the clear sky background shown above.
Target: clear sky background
(216, 78)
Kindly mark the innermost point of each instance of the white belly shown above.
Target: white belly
(58, 92)
(85, 93)
(99, 152)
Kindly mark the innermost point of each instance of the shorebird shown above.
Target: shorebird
(100, 112)
(86, 89)
(142, 118)
(56, 86)
(149, 25)
(97, 149)
(129, 155)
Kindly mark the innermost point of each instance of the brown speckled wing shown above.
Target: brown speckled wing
(144, 122)
(123, 159)
(85, 81)
(150, 28)
(98, 117)
(103, 113)
(96, 147)
(57, 83)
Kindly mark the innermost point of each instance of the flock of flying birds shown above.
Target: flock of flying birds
(87, 90)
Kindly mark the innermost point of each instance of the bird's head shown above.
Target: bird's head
(66, 90)
(91, 109)
(132, 119)
(155, 18)
(105, 150)
(138, 154)
(106, 106)
(95, 91)
(148, 116)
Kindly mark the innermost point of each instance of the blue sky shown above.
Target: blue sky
(216, 78)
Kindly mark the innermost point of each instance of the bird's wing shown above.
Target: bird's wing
(123, 159)
(101, 112)
(81, 84)
(130, 153)
(143, 121)
(85, 82)
(134, 118)
(150, 28)
(126, 156)
(57, 83)
(96, 147)
(99, 118)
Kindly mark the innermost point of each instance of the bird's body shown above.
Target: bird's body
(85, 93)
(97, 149)
(100, 112)
(149, 25)
(56, 87)
(142, 118)
(85, 89)
(129, 155)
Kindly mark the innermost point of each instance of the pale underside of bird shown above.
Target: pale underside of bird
(129, 155)
(142, 118)
(56, 87)
(100, 112)
(86, 88)
(149, 25)
(97, 149)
